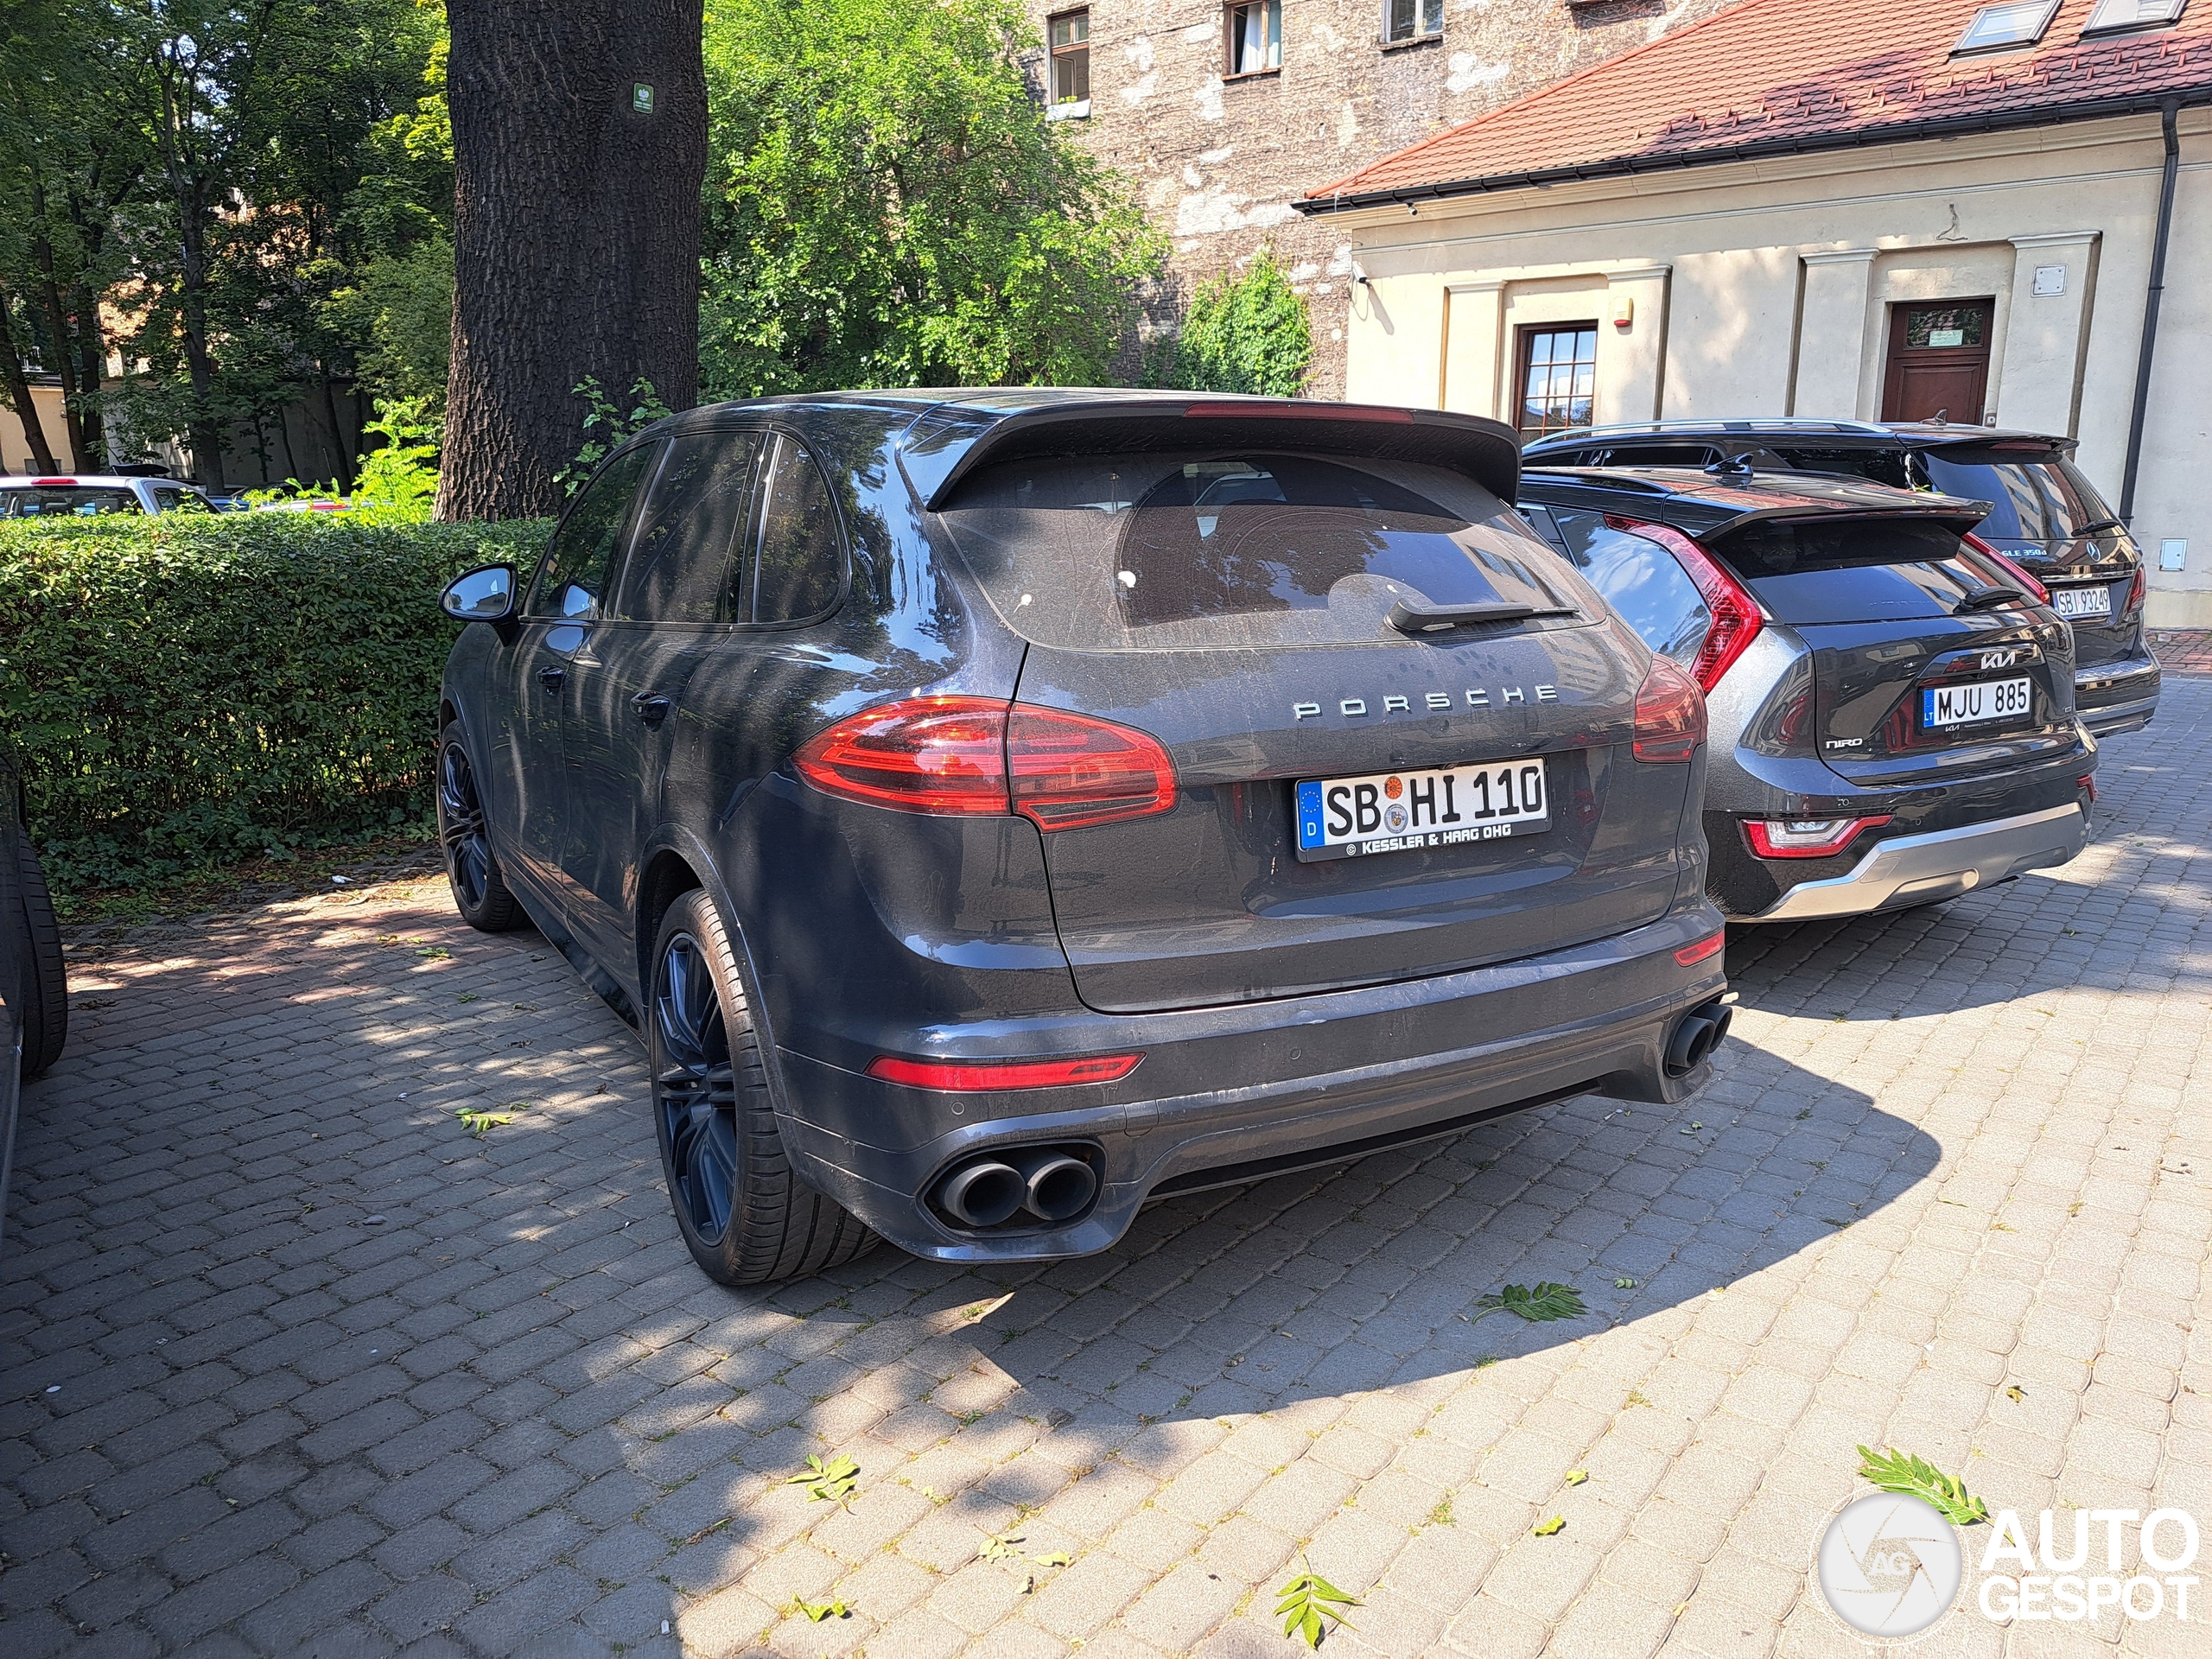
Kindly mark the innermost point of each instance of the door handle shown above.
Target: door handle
(552, 677)
(652, 708)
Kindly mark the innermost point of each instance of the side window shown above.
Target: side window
(1540, 520)
(168, 500)
(800, 571)
(681, 566)
(572, 581)
(1641, 581)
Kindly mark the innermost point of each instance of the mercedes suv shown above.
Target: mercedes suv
(998, 809)
(2043, 514)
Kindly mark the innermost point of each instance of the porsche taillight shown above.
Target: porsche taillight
(967, 757)
(1669, 715)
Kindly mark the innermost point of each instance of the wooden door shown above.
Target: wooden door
(1938, 361)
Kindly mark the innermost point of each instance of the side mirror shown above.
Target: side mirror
(484, 595)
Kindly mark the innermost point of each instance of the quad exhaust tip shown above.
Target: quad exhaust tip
(1050, 1184)
(1697, 1035)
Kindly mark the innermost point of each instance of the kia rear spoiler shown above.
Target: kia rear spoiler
(950, 442)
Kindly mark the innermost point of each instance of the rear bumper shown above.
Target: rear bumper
(1240, 1093)
(1920, 869)
(2115, 697)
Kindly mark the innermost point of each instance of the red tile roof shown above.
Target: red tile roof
(1772, 76)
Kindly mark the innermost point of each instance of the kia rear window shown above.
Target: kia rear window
(1147, 551)
(66, 501)
(1851, 569)
(2046, 500)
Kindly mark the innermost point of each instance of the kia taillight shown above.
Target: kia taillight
(979, 757)
(1807, 837)
(2006, 567)
(1736, 618)
(1669, 715)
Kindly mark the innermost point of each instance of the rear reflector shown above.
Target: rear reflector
(2088, 786)
(970, 1077)
(1258, 411)
(1669, 715)
(976, 757)
(2137, 591)
(1805, 837)
(2006, 568)
(1690, 955)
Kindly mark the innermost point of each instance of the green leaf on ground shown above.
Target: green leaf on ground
(1900, 1472)
(1546, 1529)
(479, 1122)
(1547, 1302)
(818, 1611)
(1307, 1600)
(1576, 1477)
(1000, 1546)
(829, 1483)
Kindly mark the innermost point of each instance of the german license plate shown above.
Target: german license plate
(1403, 811)
(1973, 705)
(2082, 601)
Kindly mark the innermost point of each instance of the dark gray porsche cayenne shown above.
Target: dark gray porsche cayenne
(998, 809)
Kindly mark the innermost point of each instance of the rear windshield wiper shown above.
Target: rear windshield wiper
(1408, 617)
(1990, 599)
(2096, 526)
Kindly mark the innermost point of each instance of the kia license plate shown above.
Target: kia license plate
(1976, 704)
(2082, 601)
(1404, 812)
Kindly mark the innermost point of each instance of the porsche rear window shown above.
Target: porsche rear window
(1149, 551)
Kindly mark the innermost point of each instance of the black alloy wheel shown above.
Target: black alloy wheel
(480, 891)
(744, 1213)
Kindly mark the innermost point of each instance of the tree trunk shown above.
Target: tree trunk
(91, 371)
(188, 189)
(19, 393)
(64, 358)
(576, 231)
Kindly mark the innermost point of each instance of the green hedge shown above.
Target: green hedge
(186, 691)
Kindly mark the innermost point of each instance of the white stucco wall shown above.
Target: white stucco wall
(1766, 288)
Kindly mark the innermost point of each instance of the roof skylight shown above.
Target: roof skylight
(2111, 15)
(2020, 23)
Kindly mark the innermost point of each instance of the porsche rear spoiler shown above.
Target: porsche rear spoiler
(951, 441)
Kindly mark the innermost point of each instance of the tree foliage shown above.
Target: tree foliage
(887, 205)
(1247, 332)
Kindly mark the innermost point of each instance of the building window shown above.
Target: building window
(2113, 15)
(1254, 30)
(1412, 20)
(2021, 22)
(1559, 375)
(1070, 51)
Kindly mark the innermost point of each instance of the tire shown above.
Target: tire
(39, 975)
(744, 1213)
(480, 890)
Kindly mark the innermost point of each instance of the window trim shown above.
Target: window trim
(1229, 13)
(1524, 346)
(1054, 53)
(1419, 33)
(1966, 48)
(2092, 29)
(764, 468)
(617, 566)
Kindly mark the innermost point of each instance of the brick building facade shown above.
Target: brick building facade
(1224, 113)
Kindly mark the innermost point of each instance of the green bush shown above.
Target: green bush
(190, 689)
(1245, 334)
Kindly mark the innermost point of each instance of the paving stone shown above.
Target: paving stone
(1948, 1152)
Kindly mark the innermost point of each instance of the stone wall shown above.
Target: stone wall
(1218, 160)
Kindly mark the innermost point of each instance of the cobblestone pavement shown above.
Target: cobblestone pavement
(2183, 651)
(294, 1363)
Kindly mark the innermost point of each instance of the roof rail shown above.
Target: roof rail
(1749, 423)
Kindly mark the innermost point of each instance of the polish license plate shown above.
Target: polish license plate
(1974, 704)
(2082, 601)
(1406, 812)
